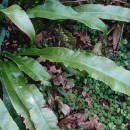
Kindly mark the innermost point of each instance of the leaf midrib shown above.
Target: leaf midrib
(16, 60)
(84, 65)
(40, 111)
(52, 12)
(68, 17)
(106, 13)
(14, 90)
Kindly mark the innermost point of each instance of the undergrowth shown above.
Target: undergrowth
(112, 108)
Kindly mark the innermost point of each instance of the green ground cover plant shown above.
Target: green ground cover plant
(15, 67)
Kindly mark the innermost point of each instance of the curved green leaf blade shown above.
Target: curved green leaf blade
(11, 87)
(42, 117)
(20, 19)
(109, 12)
(98, 67)
(29, 66)
(54, 10)
(6, 121)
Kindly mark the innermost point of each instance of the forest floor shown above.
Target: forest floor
(80, 102)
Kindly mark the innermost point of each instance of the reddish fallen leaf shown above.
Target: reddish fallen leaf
(67, 120)
(80, 35)
(59, 80)
(54, 70)
(56, 81)
(84, 94)
(40, 59)
(93, 124)
(66, 87)
(40, 37)
(128, 125)
(104, 102)
(78, 119)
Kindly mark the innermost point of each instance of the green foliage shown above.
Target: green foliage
(26, 99)
(20, 19)
(66, 38)
(6, 121)
(54, 10)
(91, 32)
(113, 112)
(105, 12)
(30, 66)
(121, 59)
(94, 65)
(105, 102)
(4, 3)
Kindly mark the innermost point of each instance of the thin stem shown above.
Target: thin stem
(122, 29)
(121, 34)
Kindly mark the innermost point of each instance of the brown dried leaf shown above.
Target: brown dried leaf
(56, 81)
(80, 120)
(40, 37)
(59, 80)
(67, 120)
(40, 59)
(84, 94)
(105, 102)
(93, 124)
(24, 121)
(66, 87)
(64, 108)
(51, 101)
(116, 36)
(54, 70)
(80, 35)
